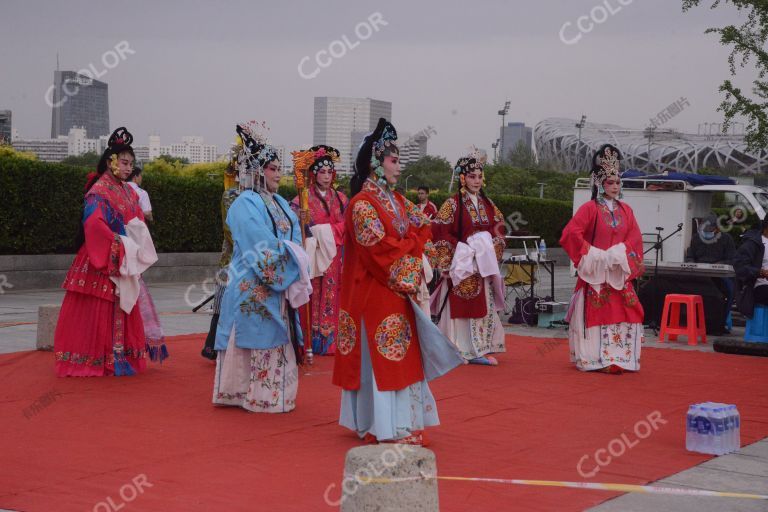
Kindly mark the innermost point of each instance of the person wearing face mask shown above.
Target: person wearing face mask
(258, 338)
(326, 228)
(603, 240)
(710, 245)
(387, 346)
(468, 298)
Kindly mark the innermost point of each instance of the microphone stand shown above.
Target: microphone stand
(658, 247)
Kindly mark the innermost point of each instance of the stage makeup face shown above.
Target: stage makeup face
(272, 176)
(473, 181)
(324, 177)
(124, 165)
(612, 187)
(391, 167)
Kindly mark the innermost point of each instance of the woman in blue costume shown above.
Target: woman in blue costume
(258, 338)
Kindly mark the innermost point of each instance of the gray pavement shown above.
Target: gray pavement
(174, 302)
(745, 471)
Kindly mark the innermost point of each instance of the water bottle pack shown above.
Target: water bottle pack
(713, 428)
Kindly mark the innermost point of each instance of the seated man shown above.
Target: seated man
(710, 245)
(751, 267)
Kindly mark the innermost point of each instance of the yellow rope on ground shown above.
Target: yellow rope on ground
(577, 485)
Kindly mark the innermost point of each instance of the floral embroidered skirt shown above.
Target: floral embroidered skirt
(256, 380)
(474, 337)
(386, 414)
(92, 332)
(601, 346)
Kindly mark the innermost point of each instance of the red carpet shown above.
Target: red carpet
(533, 417)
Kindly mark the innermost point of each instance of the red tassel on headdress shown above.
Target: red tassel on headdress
(90, 180)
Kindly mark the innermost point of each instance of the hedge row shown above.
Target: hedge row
(543, 217)
(42, 203)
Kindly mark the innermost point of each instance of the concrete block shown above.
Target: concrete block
(389, 461)
(47, 317)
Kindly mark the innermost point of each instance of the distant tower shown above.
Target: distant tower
(78, 101)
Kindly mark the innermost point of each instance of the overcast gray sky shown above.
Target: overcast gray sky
(201, 66)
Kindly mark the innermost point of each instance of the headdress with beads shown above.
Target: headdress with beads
(252, 153)
(605, 164)
(371, 154)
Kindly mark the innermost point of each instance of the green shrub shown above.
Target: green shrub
(42, 203)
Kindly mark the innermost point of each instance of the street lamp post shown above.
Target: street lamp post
(406, 181)
(503, 113)
(580, 125)
(649, 133)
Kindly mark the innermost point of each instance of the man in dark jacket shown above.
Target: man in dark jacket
(751, 269)
(710, 245)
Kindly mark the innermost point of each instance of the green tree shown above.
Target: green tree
(521, 156)
(164, 166)
(431, 171)
(748, 42)
(89, 160)
(505, 179)
(6, 150)
(172, 159)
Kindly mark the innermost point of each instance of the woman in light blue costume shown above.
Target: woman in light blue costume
(258, 338)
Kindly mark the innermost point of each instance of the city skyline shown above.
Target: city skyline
(433, 66)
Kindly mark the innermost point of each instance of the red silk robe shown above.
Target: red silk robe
(452, 226)
(324, 303)
(595, 225)
(382, 267)
(92, 329)
(429, 209)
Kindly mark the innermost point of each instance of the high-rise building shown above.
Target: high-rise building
(78, 101)
(6, 127)
(339, 122)
(412, 148)
(512, 135)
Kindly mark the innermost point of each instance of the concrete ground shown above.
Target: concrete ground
(745, 471)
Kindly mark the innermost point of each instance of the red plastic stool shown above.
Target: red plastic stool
(695, 316)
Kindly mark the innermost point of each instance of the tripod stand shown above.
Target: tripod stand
(657, 246)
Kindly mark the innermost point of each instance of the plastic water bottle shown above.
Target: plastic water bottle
(542, 250)
(720, 443)
(692, 443)
(704, 429)
(735, 425)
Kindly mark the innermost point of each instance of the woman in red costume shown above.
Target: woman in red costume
(100, 329)
(387, 347)
(603, 240)
(469, 237)
(326, 229)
